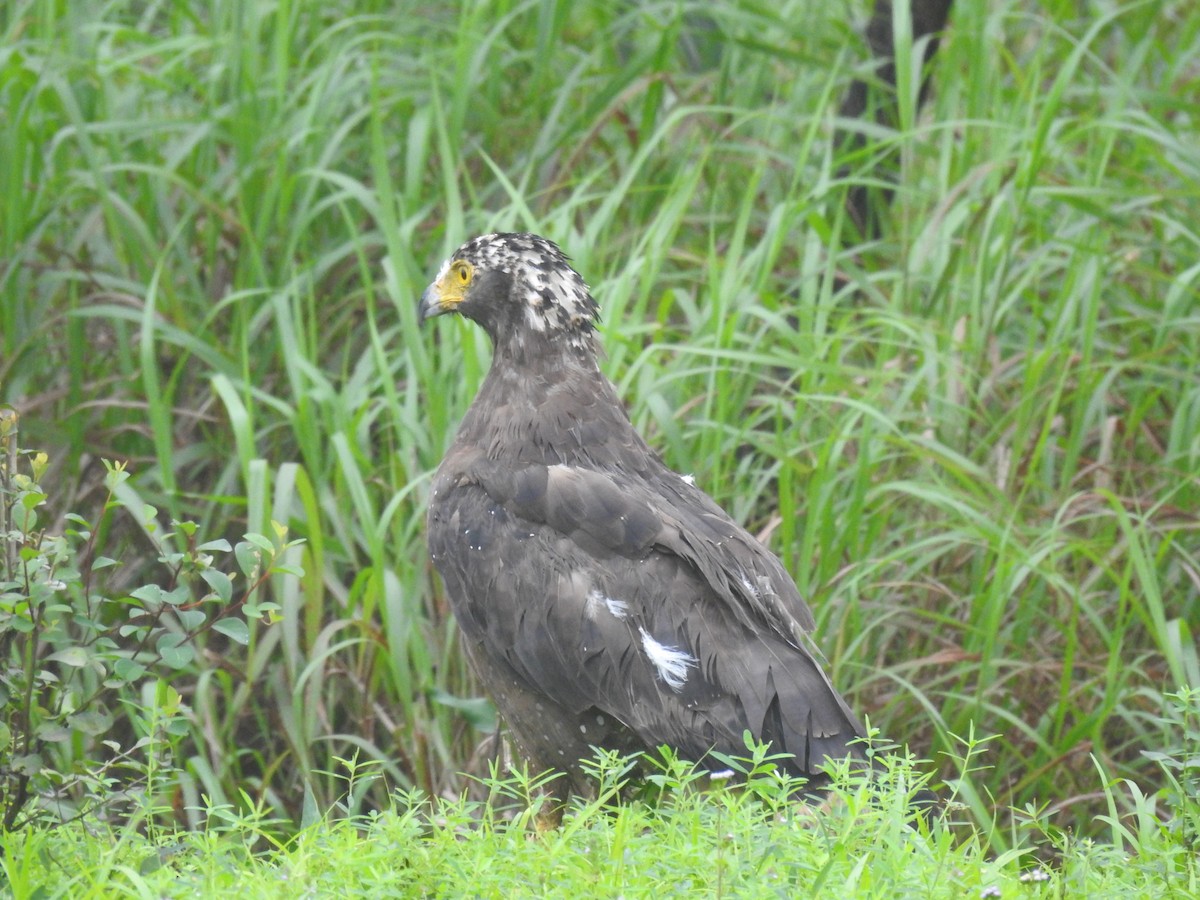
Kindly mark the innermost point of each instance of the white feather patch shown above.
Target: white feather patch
(595, 600)
(672, 663)
(748, 587)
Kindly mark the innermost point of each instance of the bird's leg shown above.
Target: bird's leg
(553, 802)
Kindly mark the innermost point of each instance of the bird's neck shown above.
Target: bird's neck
(554, 407)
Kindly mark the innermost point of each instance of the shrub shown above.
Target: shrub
(89, 719)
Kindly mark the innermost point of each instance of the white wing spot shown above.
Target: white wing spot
(750, 588)
(688, 479)
(671, 662)
(617, 608)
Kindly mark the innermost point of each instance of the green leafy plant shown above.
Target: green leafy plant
(89, 719)
(1181, 764)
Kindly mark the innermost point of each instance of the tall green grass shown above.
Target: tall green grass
(976, 442)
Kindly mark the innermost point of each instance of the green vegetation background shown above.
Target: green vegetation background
(975, 442)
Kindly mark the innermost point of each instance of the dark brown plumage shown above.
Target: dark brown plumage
(604, 599)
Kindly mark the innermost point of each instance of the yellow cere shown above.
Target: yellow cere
(452, 286)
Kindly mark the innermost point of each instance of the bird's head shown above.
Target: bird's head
(519, 287)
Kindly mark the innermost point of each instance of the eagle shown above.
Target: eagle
(604, 600)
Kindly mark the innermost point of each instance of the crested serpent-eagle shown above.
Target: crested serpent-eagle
(603, 599)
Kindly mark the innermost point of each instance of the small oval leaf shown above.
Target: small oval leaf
(234, 629)
(71, 656)
(219, 582)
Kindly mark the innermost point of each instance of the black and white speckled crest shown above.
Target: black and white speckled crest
(558, 300)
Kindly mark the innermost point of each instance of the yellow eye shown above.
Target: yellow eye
(462, 271)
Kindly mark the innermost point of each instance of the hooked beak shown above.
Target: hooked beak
(431, 304)
(441, 297)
